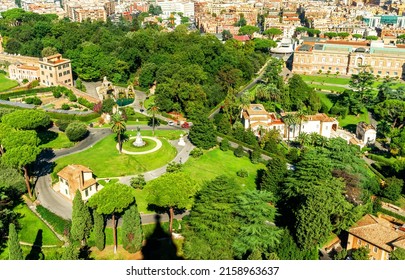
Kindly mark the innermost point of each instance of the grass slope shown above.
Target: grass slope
(6, 83)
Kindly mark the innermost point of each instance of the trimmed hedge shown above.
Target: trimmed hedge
(392, 214)
(28, 92)
(85, 103)
(72, 117)
(59, 224)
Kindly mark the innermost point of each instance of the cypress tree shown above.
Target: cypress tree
(99, 230)
(81, 219)
(132, 230)
(15, 251)
(70, 253)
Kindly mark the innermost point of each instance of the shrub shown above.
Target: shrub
(85, 103)
(196, 153)
(63, 124)
(224, 145)
(242, 173)
(70, 95)
(65, 106)
(57, 94)
(138, 182)
(34, 83)
(25, 81)
(239, 152)
(59, 224)
(76, 131)
(173, 167)
(33, 100)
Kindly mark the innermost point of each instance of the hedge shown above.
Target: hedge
(28, 92)
(392, 214)
(85, 103)
(59, 224)
(83, 118)
(125, 101)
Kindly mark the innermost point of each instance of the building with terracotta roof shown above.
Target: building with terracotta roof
(55, 70)
(77, 177)
(21, 72)
(256, 118)
(377, 234)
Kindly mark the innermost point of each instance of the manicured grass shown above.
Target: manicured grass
(325, 99)
(216, 162)
(350, 121)
(52, 253)
(54, 140)
(328, 87)
(31, 226)
(105, 161)
(327, 80)
(129, 146)
(148, 102)
(6, 83)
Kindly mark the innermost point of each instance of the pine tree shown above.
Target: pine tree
(99, 230)
(132, 230)
(81, 219)
(70, 253)
(15, 251)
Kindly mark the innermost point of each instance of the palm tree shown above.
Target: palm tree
(119, 127)
(289, 120)
(303, 139)
(301, 116)
(153, 109)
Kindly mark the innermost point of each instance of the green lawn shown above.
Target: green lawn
(336, 88)
(327, 80)
(148, 102)
(217, 162)
(350, 121)
(54, 140)
(325, 99)
(31, 226)
(149, 145)
(6, 83)
(105, 161)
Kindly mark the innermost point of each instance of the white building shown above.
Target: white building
(20, 72)
(169, 7)
(77, 177)
(366, 133)
(257, 118)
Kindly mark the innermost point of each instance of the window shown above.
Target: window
(395, 73)
(329, 68)
(51, 75)
(326, 127)
(60, 74)
(42, 73)
(86, 192)
(66, 191)
(323, 59)
(379, 72)
(359, 242)
(59, 67)
(389, 64)
(375, 249)
(387, 73)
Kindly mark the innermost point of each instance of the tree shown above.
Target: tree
(112, 200)
(147, 75)
(48, 51)
(239, 151)
(362, 84)
(171, 191)
(76, 131)
(138, 182)
(14, 248)
(371, 38)
(202, 134)
(5, 130)
(361, 253)
(19, 138)
(248, 30)
(153, 109)
(81, 220)
(393, 188)
(392, 111)
(224, 145)
(357, 36)
(273, 177)
(226, 35)
(290, 120)
(70, 253)
(118, 127)
(21, 157)
(132, 230)
(272, 32)
(98, 229)
(331, 35)
(258, 234)
(211, 228)
(398, 254)
(27, 119)
(343, 35)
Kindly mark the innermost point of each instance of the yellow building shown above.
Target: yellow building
(55, 70)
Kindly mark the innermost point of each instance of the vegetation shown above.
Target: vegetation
(132, 235)
(6, 84)
(76, 131)
(14, 248)
(81, 220)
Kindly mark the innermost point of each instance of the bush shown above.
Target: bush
(239, 152)
(25, 81)
(28, 92)
(85, 103)
(76, 131)
(59, 224)
(70, 95)
(65, 106)
(34, 83)
(173, 167)
(138, 182)
(224, 145)
(57, 94)
(63, 124)
(196, 153)
(33, 100)
(242, 173)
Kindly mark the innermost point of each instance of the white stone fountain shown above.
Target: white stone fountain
(138, 140)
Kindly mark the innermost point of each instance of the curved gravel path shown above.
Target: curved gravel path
(158, 146)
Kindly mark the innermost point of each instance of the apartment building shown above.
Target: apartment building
(55, 70)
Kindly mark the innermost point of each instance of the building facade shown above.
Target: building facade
(77, 177)
(20, 72)
(55, 70)
(366, 133)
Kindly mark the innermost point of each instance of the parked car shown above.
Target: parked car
(185, 125)
(170, 123)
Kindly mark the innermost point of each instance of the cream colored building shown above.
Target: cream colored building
(347, 58)
(77, 177)
(20, 72)
(55, 70)
(378, 235)
(366, 133)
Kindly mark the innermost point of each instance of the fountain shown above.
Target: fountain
(138, 140)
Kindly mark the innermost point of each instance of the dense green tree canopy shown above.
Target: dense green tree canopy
(27, 119)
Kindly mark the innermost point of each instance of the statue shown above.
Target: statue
(181, 141)
(138, 140)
